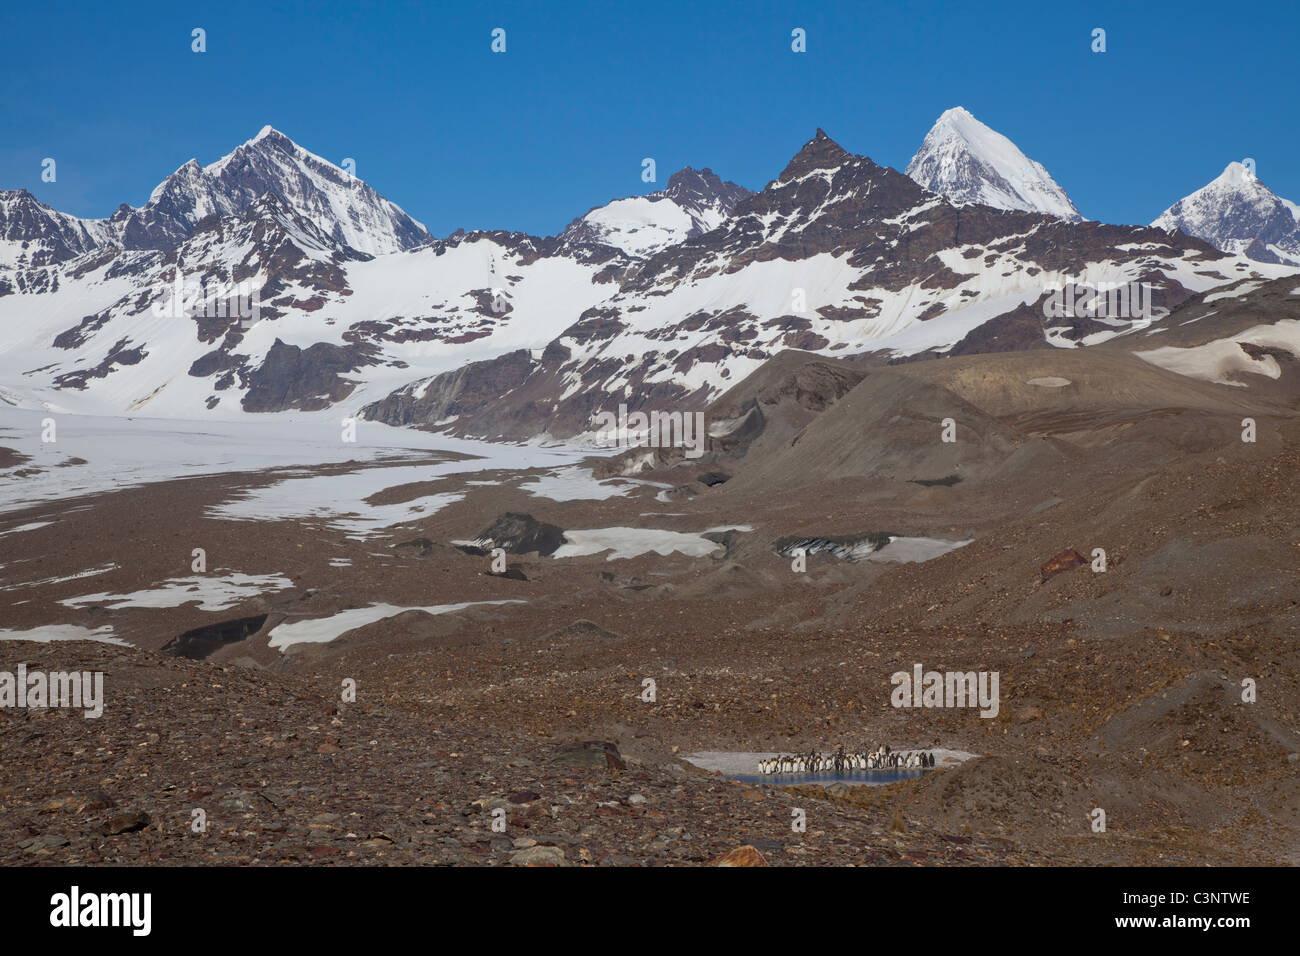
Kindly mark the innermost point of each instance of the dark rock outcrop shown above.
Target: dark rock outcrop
(201, 642)
(307, 379)
(521, 534)
(1062, 562)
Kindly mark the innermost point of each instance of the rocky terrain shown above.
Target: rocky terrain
(1120, 690)
(326, 501)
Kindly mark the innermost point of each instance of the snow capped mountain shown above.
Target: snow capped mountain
(694, 202)
(267, 281)
(344, 206)
(968, 162)
(257, 284)
(1237, 213)
(104, 333)
(836, 256)
(347, 209)
(33, 234)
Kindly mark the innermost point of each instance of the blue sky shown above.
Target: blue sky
(529, 139)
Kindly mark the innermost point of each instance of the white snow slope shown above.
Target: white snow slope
(1237, 213)
(968, 162)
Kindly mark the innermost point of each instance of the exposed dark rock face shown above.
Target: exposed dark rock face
(119, 354)
(43, 235)
(307, 379)
(521, 534)
(75, 337)
(455, 392)
(201, 642)
(12, 458)
(893, 232)
(698, 188)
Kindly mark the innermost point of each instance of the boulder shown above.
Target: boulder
(520, 534)
(745, 855)
(1064, 561)
(589, 753)
(539, 856)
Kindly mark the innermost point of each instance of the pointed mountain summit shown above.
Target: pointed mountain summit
(968, 162)
(1239, 214)
(704, 192)
(820, 152)
(694, 202)
(659, 300)
(342, 206)
(33, 234)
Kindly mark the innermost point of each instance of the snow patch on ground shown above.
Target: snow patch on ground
(340, 500)
(1235, 293)
(1221, 359)
(577, 483)
(322, 630)
(631, 542)
(64, 632)
(102, 569)
(212, 593)
(26, 527)
(903, 550)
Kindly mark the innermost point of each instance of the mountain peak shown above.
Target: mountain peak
(969, 162)
(1236, 173)
(345, 209)
(694, 202)
(820, 152)
(269, 136)
(957, 115)
(697, 189)
(269, 141)
(1236, 213)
